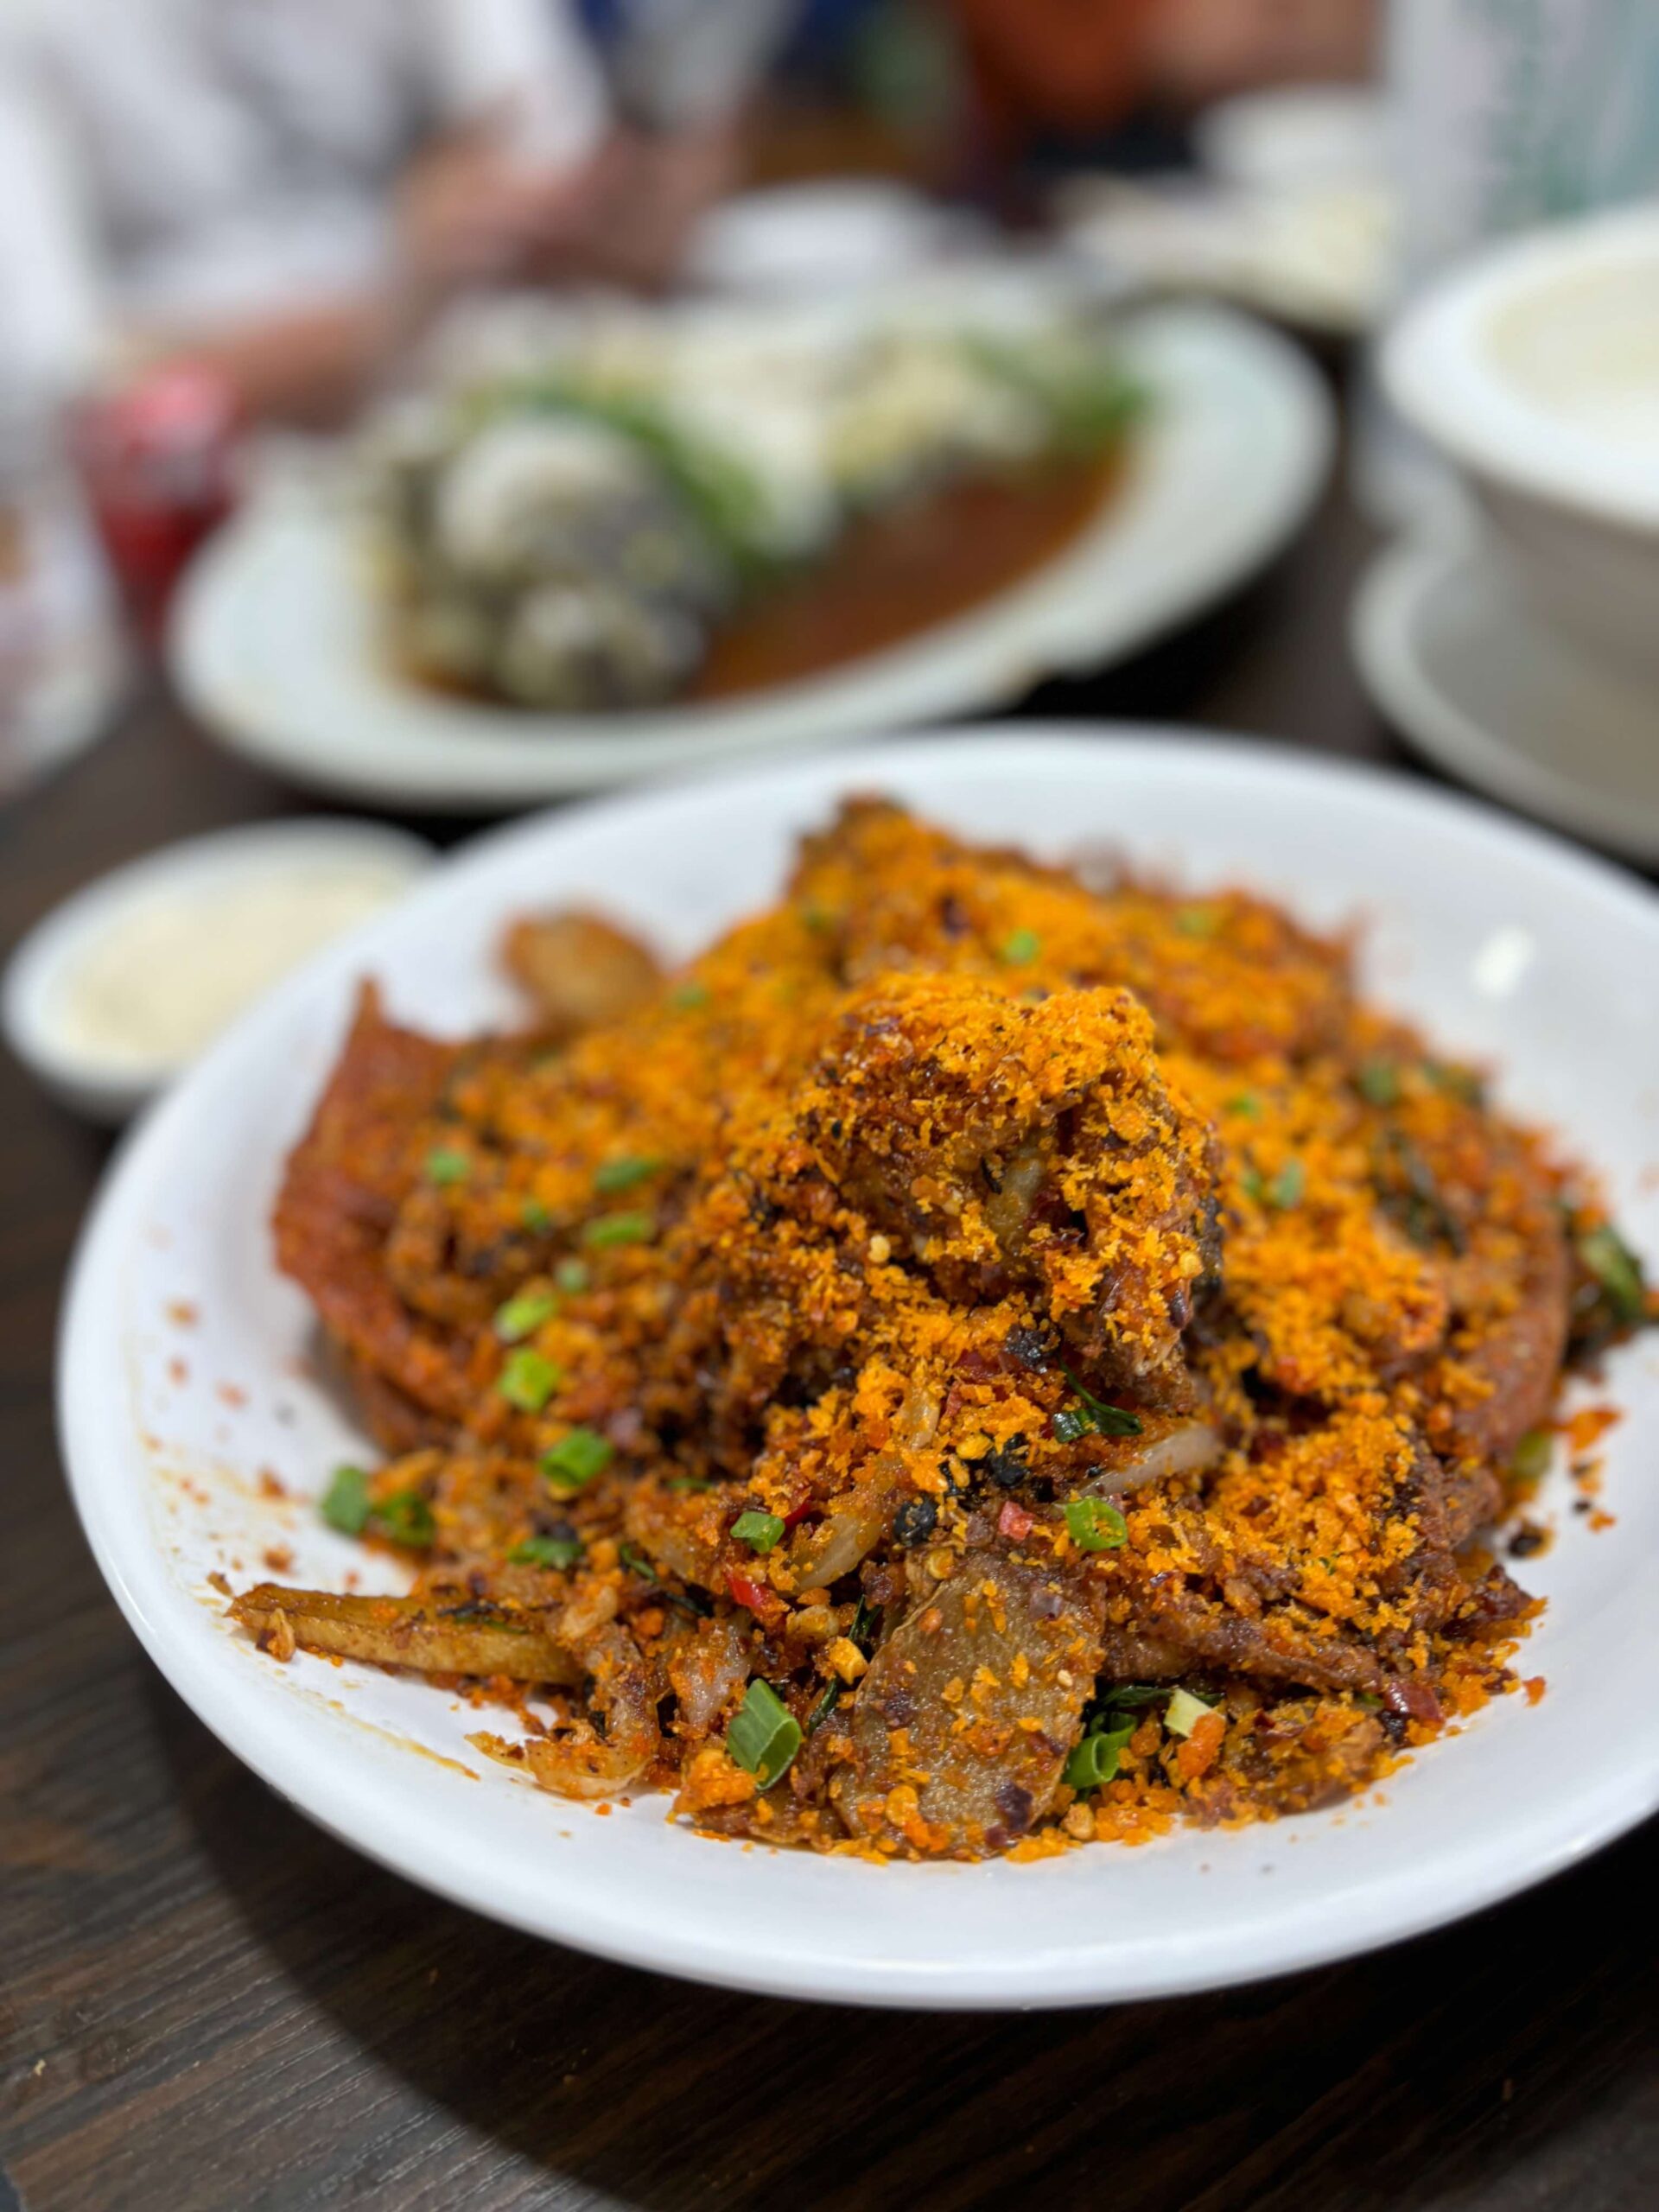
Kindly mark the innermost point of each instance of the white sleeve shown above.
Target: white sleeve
(528, 57)
(52, 313)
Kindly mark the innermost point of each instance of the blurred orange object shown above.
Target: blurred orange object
(158, 457)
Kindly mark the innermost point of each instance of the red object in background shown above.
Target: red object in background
(158, 456)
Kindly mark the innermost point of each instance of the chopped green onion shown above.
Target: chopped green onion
(759, 1531)
(620, 1228)
(687, 1484)
(1021, 947)
(816, 918)
(404, 1518)
(1094, 1762)
(527, 1379)
(1533, 1455)
(534, 1215)
(1095, 1524)
(636, 1562)
(523, 1315)
(1252, 1186)
(1618, 1271)
(1288, 1186)
(822, 1710)
(572, 1275)
(1197, 921)
(1183, 1713)
(546, 1551)
(1244, 1103)
(444, 1165)
(685, 998)
(764, 1736)
(576, 1458)
(613, 1175)
(345, 1504)
(1378, 1082)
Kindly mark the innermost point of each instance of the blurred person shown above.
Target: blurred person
(283, 190)
(1089, 79)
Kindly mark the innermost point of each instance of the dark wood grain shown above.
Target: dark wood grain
(206, 2006)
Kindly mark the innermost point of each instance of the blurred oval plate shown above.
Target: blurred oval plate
(278, 644)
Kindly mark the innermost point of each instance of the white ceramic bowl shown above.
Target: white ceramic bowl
(185, 1372)
(109, 1084)
(1536, 369)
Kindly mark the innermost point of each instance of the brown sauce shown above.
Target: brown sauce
(903, 570)
(889, 577)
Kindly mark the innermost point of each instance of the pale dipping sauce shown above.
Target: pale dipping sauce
(168, 971)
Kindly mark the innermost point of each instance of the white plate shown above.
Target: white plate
(1478, 683)
(165, 1464)
(279, 643)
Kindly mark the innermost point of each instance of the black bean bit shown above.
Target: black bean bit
(914, 1522)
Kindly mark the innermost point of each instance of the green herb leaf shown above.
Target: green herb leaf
(613, 1175)
(345, 1504)
(444, 1166)
(527, 1379)
(405, 1517)
(561, 1552)
(822, 1710)
(1094, 1762)
(764, 1736)
(686, 998)
(1460, 1082)
(1092, 1416)
(1095, 1524)
(572, 1275)
(523, 1315)
(1020, 948)
(534, 1215)
(1618, 1271)
(692, 1484)
(1197, 921)
(620, 1228)
(1378, 1082)
(1532, 1455)
(1244, 1103)
(1287, 1186)
(576, 1458)
(759, 1531)
(636, 1562)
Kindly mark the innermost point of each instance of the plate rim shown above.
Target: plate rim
(1383, 622)
(341, 1799)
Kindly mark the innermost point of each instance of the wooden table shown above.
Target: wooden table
(205, 2003)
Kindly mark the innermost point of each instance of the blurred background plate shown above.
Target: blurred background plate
(1465, 669)
(277, 643)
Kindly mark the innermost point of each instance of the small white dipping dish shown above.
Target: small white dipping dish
(1536, 369)
(118, 988)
